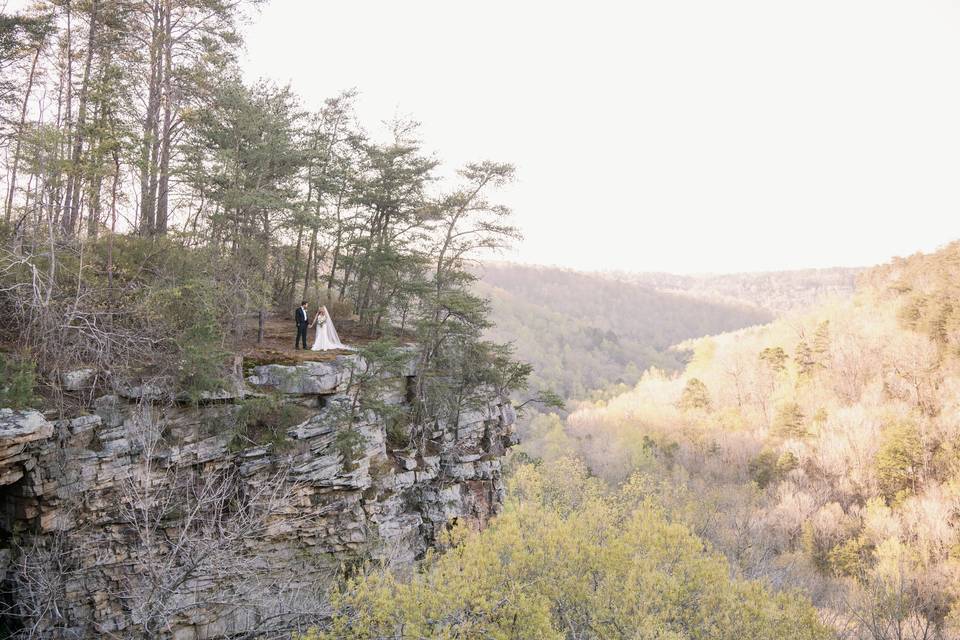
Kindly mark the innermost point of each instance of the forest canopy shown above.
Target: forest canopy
(817, 452)
(571, 558)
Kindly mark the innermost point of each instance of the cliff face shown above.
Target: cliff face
(149, 520)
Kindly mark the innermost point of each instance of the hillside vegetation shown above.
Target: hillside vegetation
(583, 332)
(819, 452)
(776, 291)
(571, 558)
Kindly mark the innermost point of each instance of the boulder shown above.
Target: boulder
(79, 379)
(303, 379)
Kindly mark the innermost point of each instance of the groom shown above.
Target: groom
(302, 323)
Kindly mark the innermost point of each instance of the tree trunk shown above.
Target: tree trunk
(72, 199)
(148, 174)
(336, 247)
(296, 260)
(19, 137)
(310, 258)
(94, 210)
(66, 124)
(165, 142)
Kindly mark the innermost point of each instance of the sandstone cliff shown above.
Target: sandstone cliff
(149, 519)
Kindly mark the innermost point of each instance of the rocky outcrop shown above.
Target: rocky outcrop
(17, 429)
(182, 521)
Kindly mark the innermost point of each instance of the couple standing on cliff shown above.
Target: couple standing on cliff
(326, 338)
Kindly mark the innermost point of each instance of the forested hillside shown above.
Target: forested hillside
(583, 332)
(820, 452)
(777, 291)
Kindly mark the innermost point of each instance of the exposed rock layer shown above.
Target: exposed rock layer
(143, 520)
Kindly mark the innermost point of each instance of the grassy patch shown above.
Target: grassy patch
(17, 383)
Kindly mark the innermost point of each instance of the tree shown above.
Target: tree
(452, 318)
(775, 358)
(565, 561)
(900, 459)
(790, 421)
(187, 43)
(695, 395)
(391, 190)
(804, 358)
(19, 33)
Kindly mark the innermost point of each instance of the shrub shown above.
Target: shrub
(200, 368)
(17, 383)
(763, 469)
(188, 314)
(786, 463)
(349, 444)
(265, 420)
(851, 557)
(398, 431)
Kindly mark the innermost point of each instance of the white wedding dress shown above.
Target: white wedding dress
(327, 337)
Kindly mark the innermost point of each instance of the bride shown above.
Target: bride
(327, 337)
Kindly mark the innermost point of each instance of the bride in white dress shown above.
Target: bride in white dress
(327, 337)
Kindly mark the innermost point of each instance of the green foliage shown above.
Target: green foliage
(374, 376)
(349, 443)
(17, 383)
(764, 468)
(804, 358)
(567, 560)
(815, 547)
(265, 420)
(246, 143)
(769, 467)
(862, 507)
(151, 307)
(21, 33)
(695, 396)
(789, 421)
(786, 463)
(398, 432)
(899, 461)
(775, 358)
(189, 314)
(821, 343)
(201, 361)
(852, 557)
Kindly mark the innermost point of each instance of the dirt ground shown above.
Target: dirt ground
(279, 333)
(277, 346)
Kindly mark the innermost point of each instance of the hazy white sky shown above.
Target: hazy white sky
(673, 135)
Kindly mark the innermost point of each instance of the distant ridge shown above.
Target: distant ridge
(588, 331)
(777, 292)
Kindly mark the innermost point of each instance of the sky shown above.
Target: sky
(686, 136)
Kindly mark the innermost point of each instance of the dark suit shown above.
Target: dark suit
(302, 324)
